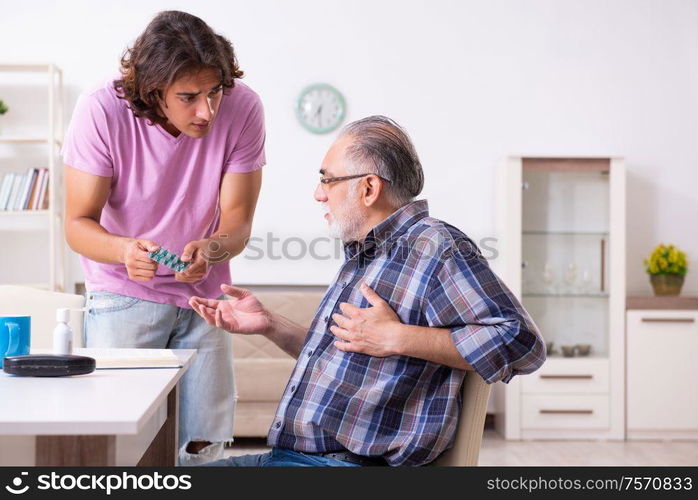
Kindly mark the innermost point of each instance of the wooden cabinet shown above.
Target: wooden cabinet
(662, 391)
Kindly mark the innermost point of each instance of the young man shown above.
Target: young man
(168, 155)
(381, 384)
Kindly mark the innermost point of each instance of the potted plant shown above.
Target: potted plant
(667, 266)
(3, 109)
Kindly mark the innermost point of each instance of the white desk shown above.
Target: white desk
(109, 417)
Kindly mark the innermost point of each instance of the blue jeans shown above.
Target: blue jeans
(280, 457)
(207, 394)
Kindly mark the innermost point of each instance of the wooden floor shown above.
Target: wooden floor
(497, 451)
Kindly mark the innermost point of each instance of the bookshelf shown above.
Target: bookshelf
(15, 145)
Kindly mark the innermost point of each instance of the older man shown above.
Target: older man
(413, 307)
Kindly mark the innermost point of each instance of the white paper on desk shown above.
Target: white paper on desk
(132, 358)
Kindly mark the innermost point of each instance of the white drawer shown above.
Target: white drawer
(569, 376)
(565, 412)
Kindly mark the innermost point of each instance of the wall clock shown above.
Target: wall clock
(320, 108)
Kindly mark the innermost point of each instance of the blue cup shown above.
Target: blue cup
(15, 336)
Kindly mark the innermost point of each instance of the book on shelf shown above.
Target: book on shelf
(108, 358)
(24, 191)
(16, 188)
(31, 179)
(20, 192)
(41, 186)
(6, 189)
(34, 191)
(43, 176)
(16, 185)
(14, 191)
(43, 196)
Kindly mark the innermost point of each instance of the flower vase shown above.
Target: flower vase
(666, 284)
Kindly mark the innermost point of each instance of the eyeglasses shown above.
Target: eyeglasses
(329, 180)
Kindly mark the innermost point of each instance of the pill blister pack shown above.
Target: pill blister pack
(169, 259)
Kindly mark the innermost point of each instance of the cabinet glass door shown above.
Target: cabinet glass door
(565, 243)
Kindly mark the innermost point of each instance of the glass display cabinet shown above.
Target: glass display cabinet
(561, 240)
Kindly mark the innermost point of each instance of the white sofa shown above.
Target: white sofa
(261, 368)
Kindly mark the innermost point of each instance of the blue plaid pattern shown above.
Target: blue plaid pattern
(404, 409)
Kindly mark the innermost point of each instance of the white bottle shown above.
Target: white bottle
(62, 334)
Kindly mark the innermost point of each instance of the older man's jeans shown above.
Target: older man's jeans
(280, 457)
(207, 390)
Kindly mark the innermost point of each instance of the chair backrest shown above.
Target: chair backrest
(41, 305)
(471, 425)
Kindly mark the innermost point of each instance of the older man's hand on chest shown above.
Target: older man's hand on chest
(372, 330)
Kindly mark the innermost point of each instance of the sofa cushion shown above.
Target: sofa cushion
(299, 307)
(253, 419)
(262, 369)
(255, 347)
(262, 379)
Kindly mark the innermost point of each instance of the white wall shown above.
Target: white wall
(472, 81)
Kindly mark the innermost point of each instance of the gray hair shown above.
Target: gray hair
(384, 148)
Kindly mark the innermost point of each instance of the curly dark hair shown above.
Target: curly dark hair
(174, 44)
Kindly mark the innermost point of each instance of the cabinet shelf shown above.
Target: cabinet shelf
(28, 140)
(568, 295)
(25, 221)
(14, 213)
(565, 233)
(23, 68)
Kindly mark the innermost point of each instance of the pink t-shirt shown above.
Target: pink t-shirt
(164, 188)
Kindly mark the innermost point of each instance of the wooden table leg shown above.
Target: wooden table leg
(164, 449)
(75, 450)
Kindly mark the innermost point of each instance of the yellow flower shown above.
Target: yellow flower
(666, 259)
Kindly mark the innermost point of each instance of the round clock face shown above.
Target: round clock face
(320, 108)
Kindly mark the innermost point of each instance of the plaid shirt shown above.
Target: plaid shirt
(402, 408)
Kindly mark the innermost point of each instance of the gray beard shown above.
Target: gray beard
(348, 224)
